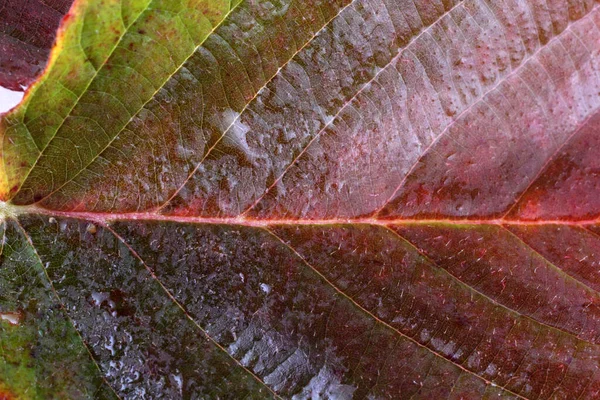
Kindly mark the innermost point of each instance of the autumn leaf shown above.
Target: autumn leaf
(303, 199)
(27, 31)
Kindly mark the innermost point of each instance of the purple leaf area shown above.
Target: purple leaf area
(27, 32)
(353, 199)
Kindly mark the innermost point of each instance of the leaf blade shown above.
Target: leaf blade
(226, 232)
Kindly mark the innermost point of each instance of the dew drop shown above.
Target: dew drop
(179, 381)
(99, 298)
(13, 318)
(265, 288)
(110, 346)
(91, 228)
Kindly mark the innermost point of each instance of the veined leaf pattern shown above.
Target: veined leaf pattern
(306, 199)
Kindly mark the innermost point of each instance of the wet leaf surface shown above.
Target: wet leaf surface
(306, 199)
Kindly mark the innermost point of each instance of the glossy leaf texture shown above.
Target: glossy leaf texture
(306, 199)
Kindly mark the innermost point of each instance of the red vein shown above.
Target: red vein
(102, 217)
(382, 322)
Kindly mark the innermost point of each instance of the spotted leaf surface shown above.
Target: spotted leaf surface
(306, 199)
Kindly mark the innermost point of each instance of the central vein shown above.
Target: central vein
(8, 210)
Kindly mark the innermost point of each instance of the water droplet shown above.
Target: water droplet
(13, 318)
(265, 288)
(110, 346)
(99, 298)
(179, 381)
(91, 228)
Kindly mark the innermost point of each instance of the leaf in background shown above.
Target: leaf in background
(27, 32)
(307, 199)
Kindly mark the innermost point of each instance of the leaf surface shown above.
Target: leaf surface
(307, 199)
(27, 32)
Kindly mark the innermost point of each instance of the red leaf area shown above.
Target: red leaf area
(27, 32)
(425, 228)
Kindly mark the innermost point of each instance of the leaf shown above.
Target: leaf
(306, 199)
(27, 31)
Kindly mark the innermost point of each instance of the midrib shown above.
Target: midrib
(8, 210)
